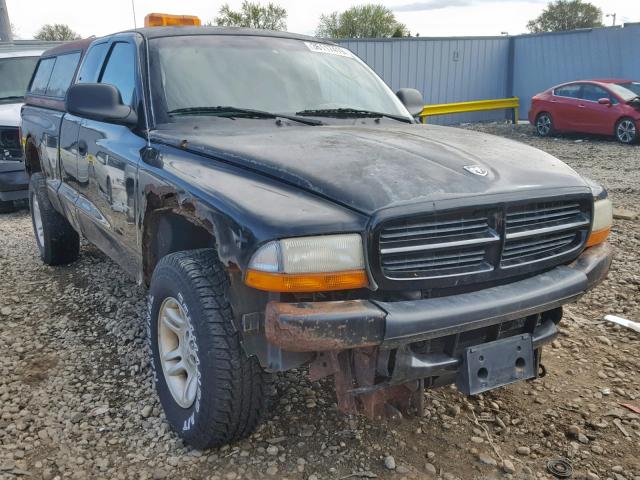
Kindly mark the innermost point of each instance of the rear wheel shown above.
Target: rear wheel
(57, 241)
(211, 392)
(544, 124)
(626, 131)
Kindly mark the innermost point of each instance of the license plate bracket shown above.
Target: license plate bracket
(494, 364)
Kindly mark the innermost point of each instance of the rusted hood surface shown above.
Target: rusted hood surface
(372, 167)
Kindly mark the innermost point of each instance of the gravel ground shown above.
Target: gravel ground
(77, 401)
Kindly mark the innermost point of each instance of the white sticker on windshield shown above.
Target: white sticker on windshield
(330, 49)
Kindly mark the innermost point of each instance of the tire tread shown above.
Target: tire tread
(61, 241)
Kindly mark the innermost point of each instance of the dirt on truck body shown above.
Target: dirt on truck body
(282, 213)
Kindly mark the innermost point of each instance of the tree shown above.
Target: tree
(253, 15)
(564, 15)
(362, 21)
(56, 32)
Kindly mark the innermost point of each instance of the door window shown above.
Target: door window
(41, 77)
(568, 91)
(593, 93)
(120, 70)
(62, 74)
(92, 63)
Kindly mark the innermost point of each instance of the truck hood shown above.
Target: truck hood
(10, 114)
(368, 168)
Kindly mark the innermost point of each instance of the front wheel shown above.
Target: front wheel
(544, 124)
(211, 392)
(626, 131)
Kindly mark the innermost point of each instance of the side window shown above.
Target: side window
(62, 74)
(93, 60)
(569, 91)
(120, 70)
(41, 77)
(594, 93)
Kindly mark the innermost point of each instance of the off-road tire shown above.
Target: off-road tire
(232, 391)
(544, 124)
(626, 136)
(61, 243)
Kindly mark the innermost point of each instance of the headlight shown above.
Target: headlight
(602, 219)
(309, 264)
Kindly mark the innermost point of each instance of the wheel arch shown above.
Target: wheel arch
(170, 227)
(542, 112)
(31, 157)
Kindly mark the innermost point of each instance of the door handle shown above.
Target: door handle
(82, 148)
(580, 106)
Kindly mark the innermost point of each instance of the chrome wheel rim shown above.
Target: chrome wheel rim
(178, 352)
(543, 125)
(626, 131)
(37, 221)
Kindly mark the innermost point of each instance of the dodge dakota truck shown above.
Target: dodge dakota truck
(285, 209)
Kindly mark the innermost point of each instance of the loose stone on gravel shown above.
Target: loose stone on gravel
(508, 467)
(487, 459)
(390, 462)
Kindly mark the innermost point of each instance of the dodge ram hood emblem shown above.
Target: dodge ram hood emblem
(476, 170)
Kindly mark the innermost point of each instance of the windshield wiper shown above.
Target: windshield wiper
(239, 112)
(351, 113)
(12, 97)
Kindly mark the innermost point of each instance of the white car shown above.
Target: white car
(17, 62)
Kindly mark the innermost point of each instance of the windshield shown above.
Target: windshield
(15, 74)
(261, 73)
(627, 90)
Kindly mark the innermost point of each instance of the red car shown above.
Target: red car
(605, 107)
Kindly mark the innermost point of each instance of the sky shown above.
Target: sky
(429, 18)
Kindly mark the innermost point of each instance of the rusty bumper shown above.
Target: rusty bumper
(335, 326)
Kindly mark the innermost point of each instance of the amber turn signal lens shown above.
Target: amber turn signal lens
(307, 282)
(598, 237)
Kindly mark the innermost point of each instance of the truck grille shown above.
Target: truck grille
(541, 231)
(449, 245)
(482, 241)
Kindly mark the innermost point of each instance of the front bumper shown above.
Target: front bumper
(14, 181)
(334, 326)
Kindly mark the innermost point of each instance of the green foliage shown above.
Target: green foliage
(362, 21)
(564, 15)
(56, 32)
(253, 15)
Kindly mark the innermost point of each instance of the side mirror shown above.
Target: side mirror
(101, 102)
(412, 99)
(604, 101)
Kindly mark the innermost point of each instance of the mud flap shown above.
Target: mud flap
(494, 364)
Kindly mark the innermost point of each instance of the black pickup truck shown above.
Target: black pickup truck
(285, 208)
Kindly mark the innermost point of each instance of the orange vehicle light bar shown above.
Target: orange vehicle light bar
(307, 282)
(598, 237)
(167, 20)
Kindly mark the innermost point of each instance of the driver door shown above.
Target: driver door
(109, 156)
